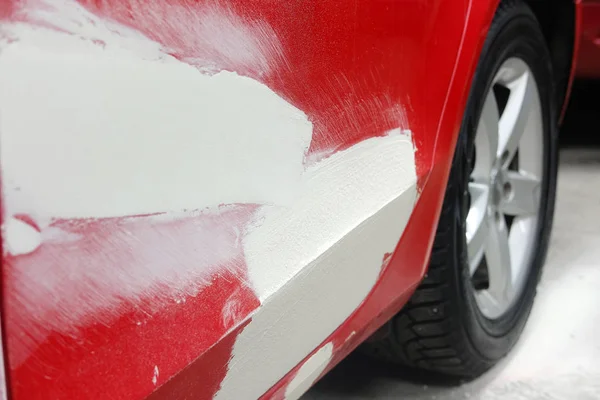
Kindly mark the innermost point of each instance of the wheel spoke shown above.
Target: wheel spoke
(477, 227)
(486, 138)
(515, 116)
(488, 303)
(510, 126)
(522, 196)
(497, 255)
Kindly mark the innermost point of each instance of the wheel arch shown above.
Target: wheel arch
(558, 20)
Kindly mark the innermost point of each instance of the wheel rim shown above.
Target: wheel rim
(504, 189)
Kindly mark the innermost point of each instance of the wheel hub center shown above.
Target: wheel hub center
(501, 189)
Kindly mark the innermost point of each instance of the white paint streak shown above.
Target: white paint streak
(210, 36)
(3, 386)
(155, 375)
(20, 237)
(52, 234)
(309, 372)
(65, 27)
(176, 139)
(231, 313)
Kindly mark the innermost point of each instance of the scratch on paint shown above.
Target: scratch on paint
(349, 116)
(231, 311)
(350, 336)
(155, 375)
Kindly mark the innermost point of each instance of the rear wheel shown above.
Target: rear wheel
(497, 215)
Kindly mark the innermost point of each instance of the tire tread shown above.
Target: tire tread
(427, 333)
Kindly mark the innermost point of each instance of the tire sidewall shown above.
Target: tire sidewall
(516, 35)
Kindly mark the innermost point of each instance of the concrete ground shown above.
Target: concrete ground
(558, 356)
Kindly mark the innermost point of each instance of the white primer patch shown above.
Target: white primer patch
(309, 372)
(340, 192)
(307, 292)
(176, 139)
(20, 237)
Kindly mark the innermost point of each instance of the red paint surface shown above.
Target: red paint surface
(201, 379)
(6, 9)
(114, 349)
(588, 59)
(357, 69)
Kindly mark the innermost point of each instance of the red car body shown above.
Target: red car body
(357, 70)
(588, 59)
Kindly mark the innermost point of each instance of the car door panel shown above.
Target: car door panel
(196, 195)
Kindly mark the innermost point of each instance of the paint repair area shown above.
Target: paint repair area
(163, 206)
(223, 199)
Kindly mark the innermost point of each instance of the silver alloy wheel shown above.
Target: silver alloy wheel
(504, 188)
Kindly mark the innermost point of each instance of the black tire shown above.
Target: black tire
(442, 329)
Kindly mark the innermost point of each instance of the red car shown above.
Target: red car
(209, 199)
